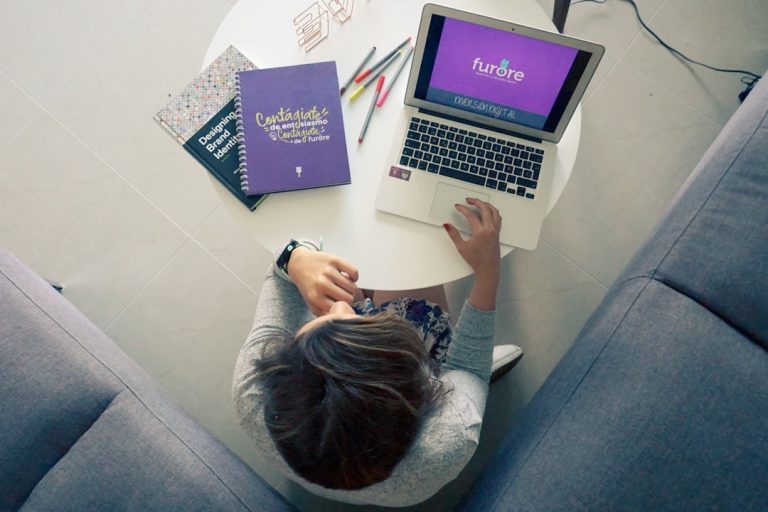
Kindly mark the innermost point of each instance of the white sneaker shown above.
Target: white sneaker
(505, 357)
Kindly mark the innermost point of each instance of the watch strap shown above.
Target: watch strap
(283, 255)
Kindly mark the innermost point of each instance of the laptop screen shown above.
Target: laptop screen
(498, 74)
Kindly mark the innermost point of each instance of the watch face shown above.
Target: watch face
(282, 261)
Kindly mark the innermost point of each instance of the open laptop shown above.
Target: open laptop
(487, 101)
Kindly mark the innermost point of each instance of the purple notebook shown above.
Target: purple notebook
(290, 128)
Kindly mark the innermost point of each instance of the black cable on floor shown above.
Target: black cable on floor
(749, 78)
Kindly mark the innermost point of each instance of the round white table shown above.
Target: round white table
(391, 252)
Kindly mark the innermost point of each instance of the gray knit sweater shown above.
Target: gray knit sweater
(448, 435)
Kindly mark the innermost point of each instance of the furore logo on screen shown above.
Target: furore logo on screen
(502, 71)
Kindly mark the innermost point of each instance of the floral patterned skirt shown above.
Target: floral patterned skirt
(429, 320)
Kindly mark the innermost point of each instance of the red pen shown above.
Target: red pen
(370, 70)
(379, 85)
(391, 82)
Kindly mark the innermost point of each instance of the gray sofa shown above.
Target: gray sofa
(83, 428)
(662, 401)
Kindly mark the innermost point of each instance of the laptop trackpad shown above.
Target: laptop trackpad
(443, 210)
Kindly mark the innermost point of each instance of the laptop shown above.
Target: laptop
(486, 103)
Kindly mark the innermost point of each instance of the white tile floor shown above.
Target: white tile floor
(95, 195)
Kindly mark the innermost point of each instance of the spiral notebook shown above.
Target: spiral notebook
(202, 119)
(290, 128)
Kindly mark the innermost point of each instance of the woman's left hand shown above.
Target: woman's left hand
(322, 279)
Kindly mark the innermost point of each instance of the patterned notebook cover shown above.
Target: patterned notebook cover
(202, 119)
(291, 128)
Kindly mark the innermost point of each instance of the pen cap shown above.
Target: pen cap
(357, 93)
(382, 98)
(380, 83)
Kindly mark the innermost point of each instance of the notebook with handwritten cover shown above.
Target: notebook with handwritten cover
(290, 128)
(202, 119)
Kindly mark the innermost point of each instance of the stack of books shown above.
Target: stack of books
(261, 131)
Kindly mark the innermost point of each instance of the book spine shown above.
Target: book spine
(241, 151)
(170, 130)
(215, 146)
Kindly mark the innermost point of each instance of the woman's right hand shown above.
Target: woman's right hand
(322, 279)
(481, 251)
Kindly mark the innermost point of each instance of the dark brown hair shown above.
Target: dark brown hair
(344, 401)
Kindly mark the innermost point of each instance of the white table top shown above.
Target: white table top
(391, 253)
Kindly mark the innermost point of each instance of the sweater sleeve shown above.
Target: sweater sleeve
(280, 307)
(471, 349)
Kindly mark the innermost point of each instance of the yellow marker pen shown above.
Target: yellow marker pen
(389, 62)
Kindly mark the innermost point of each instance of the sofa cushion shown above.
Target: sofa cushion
(51, 392)
(660, 406)
(84, 428)
(713, 246)
(128, 448)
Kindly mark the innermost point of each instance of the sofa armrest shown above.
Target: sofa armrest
(73, 404)
(712, 245)
(661, 403)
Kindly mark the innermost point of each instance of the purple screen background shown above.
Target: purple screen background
(545, 65)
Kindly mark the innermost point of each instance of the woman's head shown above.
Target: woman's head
(345, 397)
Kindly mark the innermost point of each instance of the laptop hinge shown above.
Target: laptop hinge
(480, 125)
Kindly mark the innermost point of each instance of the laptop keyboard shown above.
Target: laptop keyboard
(472, 157)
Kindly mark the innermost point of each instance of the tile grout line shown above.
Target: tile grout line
(640, 29)
(106, 47)
(620, 57)
(588, 273)
(146, 285)
(673, 95)
(130, 185)
(13, 137)
(120, 34)
(641, 33)
(163, 267)
(206, 219)
(600, 83)
(44, 110)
